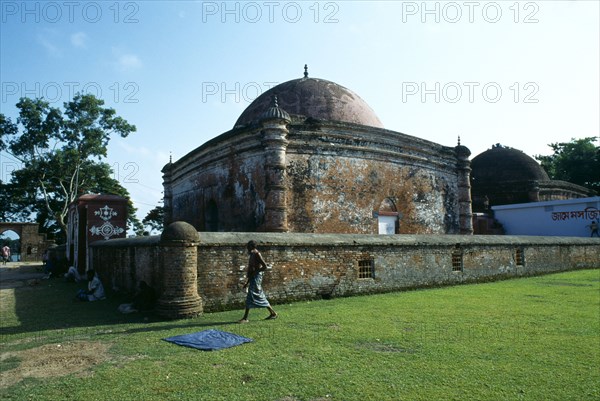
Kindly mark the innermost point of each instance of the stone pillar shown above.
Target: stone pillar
(179, 265)
(167, 194)
(465, 211)
(274, 122)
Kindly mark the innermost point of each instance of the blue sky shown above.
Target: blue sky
(521, 73)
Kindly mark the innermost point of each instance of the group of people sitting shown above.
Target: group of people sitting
(143, 300)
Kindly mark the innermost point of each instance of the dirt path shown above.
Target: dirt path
(18, 274)
(53, 360)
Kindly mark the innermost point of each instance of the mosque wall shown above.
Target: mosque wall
(336, 178)
(333, 194)
(339, 176)
(221, 186)
(313, 266)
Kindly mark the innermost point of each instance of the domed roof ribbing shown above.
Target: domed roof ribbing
(316, 98)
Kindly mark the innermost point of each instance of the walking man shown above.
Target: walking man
(256, 297)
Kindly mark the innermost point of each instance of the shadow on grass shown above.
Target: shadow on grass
(51, 305)
(180, 324)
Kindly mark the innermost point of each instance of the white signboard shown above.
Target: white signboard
(570, 218)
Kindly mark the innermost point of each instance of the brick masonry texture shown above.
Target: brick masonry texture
(311, 266)
(326, 177)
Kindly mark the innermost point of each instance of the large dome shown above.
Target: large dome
(503, 164)
(316, 98)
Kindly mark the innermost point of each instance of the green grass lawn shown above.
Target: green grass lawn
(524, 339)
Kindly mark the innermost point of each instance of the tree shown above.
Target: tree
(155, 218)
(61, 158)
(577, 161)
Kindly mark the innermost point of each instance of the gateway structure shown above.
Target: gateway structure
(310, 156)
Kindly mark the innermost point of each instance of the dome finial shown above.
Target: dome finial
(274, 102)
(305, 70)
(459, 140)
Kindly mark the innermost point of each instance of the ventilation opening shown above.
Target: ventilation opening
(520, 257)
(366, 268)
(457, 258)
(457, 262)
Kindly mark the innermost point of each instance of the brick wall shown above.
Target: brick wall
(122, 263)
(329, 178)
(308, 266)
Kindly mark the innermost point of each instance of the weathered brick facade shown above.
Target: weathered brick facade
(326, 167)
(309, 266)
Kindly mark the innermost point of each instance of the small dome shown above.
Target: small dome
(180, 231)
(462, 152)
(503, 164)
(275, 112)
(316, 98)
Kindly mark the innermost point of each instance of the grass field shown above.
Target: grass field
(525, 339)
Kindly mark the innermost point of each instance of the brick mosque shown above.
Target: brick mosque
(311, 156)
(311, 174)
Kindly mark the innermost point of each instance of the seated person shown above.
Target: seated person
(95, 291)
(49, 269)
(143, 300)
(72, 275)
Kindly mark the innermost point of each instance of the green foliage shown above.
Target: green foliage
(577, 162)
(6, 129)
(155, 218)
(531, 339)
(61, 158)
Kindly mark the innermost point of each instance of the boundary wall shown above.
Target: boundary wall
(195, 272)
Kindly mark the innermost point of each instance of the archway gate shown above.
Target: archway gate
(33, 244)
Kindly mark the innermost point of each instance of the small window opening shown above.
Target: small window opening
(457, 262)
(366, 268)
(520, 257)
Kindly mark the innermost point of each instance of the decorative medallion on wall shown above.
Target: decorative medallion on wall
(107, 229)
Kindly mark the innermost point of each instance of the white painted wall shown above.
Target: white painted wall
(554, 218)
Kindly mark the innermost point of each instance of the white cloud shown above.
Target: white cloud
(130, 61)
(126, 61)
(79, 39)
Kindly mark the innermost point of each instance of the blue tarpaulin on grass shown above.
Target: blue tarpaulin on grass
(209, 340)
